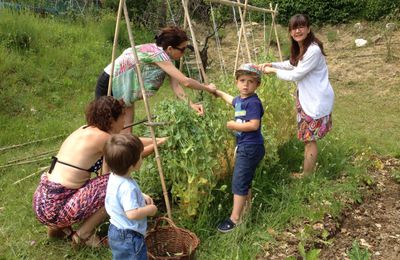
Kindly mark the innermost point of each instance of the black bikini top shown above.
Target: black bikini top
(95, 168)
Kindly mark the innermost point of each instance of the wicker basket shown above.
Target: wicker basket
(170, 242)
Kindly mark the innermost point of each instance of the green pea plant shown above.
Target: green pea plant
(197, 158)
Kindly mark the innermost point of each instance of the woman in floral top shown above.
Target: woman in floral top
(156, 62)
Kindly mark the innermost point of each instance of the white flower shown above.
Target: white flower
(360, 42)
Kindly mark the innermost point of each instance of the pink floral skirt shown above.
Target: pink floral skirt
(57, 206)
(309, 129)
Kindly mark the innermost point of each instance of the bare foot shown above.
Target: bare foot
(298, 175)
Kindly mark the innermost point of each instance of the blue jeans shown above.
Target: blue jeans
(247, 158)
(126, 244)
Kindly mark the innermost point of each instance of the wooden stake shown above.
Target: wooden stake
(181, 59)
(196, 48)
(243, 21)
(31, 142)
(32, 156)
(115, 44)
(24, 162)
(30, 175)
(238, 4)
(270, 31)
(148, 113)
(276, 32)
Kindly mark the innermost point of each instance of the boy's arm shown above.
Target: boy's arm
(141, 213)
(225, 96)
(249, 126)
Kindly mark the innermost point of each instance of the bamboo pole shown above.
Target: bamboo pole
(137, 123)
(24, 162)
(265, 36)
(196, 47)
(238, 4)
(32, 156)
(270, 31)
(237, 51)
(243, 26)
(115, 43)
(252, 39)
(238, 44)
(218, 43)
(148, 113)
(237, 32)
(33, 174)
(181, 60)
(276, 33)
(27, 143)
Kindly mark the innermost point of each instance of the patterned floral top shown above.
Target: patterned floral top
(125, 79)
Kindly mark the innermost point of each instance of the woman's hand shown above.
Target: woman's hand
(211, 88)
(198, 108)
(264, 65)
(269, 70)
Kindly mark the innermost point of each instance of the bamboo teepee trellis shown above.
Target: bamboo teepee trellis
(123, 8)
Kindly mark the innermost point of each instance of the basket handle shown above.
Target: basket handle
(169, 221)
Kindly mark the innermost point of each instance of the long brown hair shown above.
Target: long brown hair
(171, 36)
(297, 53)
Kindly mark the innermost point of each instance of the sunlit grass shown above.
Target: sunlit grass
(44, 92)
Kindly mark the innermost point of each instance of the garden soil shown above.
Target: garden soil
(375, 222)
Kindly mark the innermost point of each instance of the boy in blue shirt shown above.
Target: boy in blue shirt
(127, 206)
(250, 142)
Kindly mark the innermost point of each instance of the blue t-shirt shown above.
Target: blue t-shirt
(124, 194)
(247, 109)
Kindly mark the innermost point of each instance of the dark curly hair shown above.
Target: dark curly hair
(103, 111)
(171, 36)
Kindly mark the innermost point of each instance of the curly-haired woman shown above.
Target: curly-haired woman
(66, 193)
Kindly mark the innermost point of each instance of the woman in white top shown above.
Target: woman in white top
(307, 67)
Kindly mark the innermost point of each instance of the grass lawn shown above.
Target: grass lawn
(45, 88)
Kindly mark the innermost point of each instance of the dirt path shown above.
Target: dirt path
(375, 223)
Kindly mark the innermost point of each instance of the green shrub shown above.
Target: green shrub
(19, 34)
(335, 11)
(377, 9)
(198, 156)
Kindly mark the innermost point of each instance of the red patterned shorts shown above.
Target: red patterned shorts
(55, 205)
(309, 129)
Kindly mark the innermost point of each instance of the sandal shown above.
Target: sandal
(91, 241)
(226, 226)
(59, 233)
